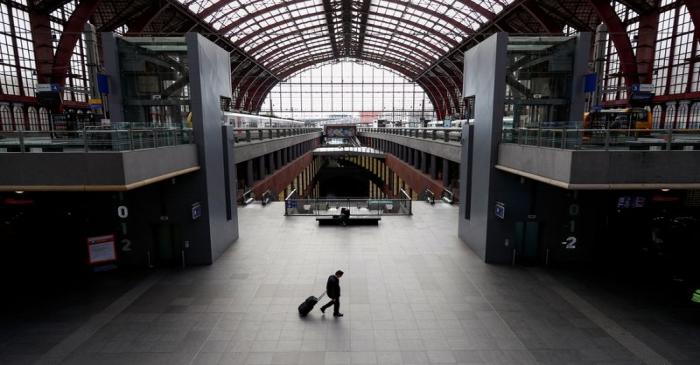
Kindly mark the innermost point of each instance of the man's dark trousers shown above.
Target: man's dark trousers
(335, 303)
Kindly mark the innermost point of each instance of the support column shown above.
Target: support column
(433, 168)
(445, 172)
(423, 162)
(261, 162)
(271, 160)
(249, 177)
(416, 159)
(278, 158)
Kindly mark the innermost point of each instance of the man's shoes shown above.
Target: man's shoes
(323, 310)
(337, 314)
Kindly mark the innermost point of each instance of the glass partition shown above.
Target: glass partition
(155, 81)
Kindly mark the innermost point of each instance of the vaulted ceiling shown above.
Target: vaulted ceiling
(422, 39)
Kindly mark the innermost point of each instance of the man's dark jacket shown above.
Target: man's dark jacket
(333, 287)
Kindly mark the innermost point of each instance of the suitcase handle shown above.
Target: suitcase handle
(322, 295)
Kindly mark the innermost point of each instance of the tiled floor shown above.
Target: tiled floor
(412, 294)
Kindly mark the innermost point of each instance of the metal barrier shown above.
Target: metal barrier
(248, 197)
(258, 134)
(429, 196)
(569, 138)
(605, 139)
(447, 196)
(88, 140)
(358, 207)
(435, 134)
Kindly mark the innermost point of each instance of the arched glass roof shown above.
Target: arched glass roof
(286, 36)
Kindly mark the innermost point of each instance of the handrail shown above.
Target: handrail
(604, 139)
(92, 139)
(447, 196)
(448, 135)
(358, 207)
(248, 197)
(429, 196)
(566, 137)
(259, 134)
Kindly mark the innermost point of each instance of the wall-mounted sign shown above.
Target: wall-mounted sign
(590, 82)
(643, 88)
(48, 87)
(570, 243)
(196, 211)
(101, 249)
(500, 210)
(103, 83)
(122, 212)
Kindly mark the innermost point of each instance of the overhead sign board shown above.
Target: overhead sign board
(643, 88)
(47, 87)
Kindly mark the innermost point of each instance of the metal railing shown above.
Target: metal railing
(294, 206)
(447, 196)
(259, 134)
(248, 197)
(435, 134)
(605, 139)
(93, 140)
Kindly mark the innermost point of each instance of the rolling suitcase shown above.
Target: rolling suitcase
(308, 304)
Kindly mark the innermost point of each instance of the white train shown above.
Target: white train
(242, 120)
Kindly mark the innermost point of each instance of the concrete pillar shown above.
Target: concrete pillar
(433, 169)
(249, 173)
(416, 159)
(423, 162)
(263, 172)
(445, 172)
(283, 153)
(271, 160)
(278, 158)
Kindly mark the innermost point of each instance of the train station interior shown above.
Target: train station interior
(489, 181)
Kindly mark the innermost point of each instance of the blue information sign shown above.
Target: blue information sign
(590, 82)
(500, 210)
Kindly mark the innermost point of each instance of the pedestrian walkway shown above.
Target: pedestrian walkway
(412, 293)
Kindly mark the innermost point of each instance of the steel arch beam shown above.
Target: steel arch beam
(263, 95)
(618, 35)
(328, 12)
(69, 37)
(280, 5)
(364, 15)
(403, 35)
(235, 81)
(693, 7)
(545, 21)
(43, 45)
(435, 97)
(294, 44)
(144, 20)
(241, 42)
(245, 82)
(253, 100)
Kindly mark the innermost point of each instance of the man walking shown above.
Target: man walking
(333, 292)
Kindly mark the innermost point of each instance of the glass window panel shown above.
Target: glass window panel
(355, 89)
